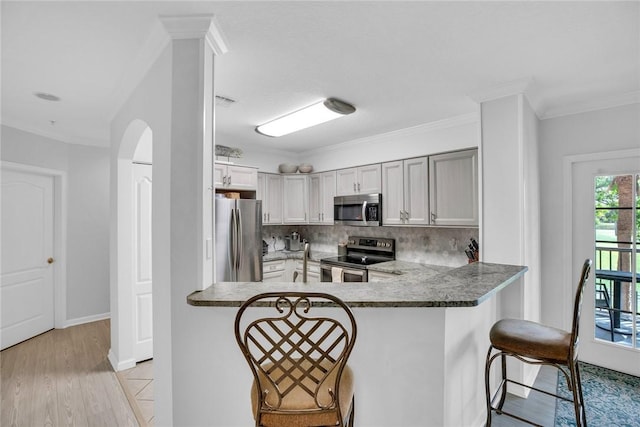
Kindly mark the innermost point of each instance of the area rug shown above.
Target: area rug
(611, 398)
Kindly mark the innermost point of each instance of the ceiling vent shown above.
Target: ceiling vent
(223, 101)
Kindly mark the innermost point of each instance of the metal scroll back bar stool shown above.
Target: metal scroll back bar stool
(537, 344)
(297, 351)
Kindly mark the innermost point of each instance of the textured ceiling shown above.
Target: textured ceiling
(400, 63)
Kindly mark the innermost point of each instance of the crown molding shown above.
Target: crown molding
(203, 26)
(593, 105)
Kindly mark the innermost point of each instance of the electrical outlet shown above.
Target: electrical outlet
(453, 244)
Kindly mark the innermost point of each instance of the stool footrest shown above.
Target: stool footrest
(548, 393)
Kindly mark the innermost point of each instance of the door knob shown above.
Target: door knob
(50, 260)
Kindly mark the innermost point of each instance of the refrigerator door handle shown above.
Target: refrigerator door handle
(234, 244)
(240, 249)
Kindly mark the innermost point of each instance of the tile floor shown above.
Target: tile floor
(137, 383)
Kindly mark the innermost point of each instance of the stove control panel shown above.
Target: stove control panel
(372, 244)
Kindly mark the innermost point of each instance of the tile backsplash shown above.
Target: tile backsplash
(424, 245)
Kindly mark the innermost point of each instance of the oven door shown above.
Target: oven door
(348, 274)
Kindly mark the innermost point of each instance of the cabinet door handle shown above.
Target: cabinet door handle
(354, 187)
(319, 216)
(322, 216)
(224, 180)
(229, 180)
(433, 217)
(358, 187)
(401, 215)
(269, 216)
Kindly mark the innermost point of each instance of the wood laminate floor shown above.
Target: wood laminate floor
(538, 407)
(63, 378)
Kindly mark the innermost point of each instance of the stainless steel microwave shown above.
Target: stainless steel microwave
(359, 209)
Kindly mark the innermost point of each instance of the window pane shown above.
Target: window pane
(614, 191)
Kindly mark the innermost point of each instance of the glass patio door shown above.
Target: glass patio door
(616, 259)
(605, 227)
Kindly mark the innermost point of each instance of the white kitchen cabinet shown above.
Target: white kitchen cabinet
(274, 271)
(296, 199)
(235, 177)
(405, 192)
(270, 192)
(360, 180)
(322, 189)
(379, 276)
(313, 271)
(453, 188)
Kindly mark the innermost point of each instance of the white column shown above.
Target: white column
(510, 225)
(195, 41)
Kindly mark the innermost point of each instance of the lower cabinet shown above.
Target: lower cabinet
(283, 271)
(313, 271)
(274, 271)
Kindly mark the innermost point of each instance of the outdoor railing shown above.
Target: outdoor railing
(611, 258)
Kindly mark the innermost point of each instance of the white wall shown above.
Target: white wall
(88, 232)
(510, 207)
(431, 138)
(532, 254)
(150, 102)
(87, 171)
(592, 132)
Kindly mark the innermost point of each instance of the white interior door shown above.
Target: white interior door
(595, 350)
(26, 288)
(142, 282)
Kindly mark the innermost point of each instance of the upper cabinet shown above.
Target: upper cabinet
(360, 180)
(453, 188)
(437, 190)
(270, 192)
(405, 192)
(234, 177)
(322, 189)
(296, 199)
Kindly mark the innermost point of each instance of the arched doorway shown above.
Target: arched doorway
(131, 310)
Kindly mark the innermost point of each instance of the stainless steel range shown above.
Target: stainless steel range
(361, 253)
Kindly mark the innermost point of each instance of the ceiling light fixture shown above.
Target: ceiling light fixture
(314, 114)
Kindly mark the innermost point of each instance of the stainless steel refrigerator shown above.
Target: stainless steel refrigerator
(238, 239)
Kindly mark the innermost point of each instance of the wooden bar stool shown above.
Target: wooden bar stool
(298, 356)
(538, 344)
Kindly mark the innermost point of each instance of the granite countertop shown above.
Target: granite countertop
(419, 286)
(405, 267)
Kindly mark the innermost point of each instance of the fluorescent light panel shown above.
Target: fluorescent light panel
(314, 114)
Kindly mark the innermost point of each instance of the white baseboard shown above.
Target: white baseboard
(120, 365)
(87, 319)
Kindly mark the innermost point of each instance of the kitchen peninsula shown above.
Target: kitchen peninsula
(419, 354)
